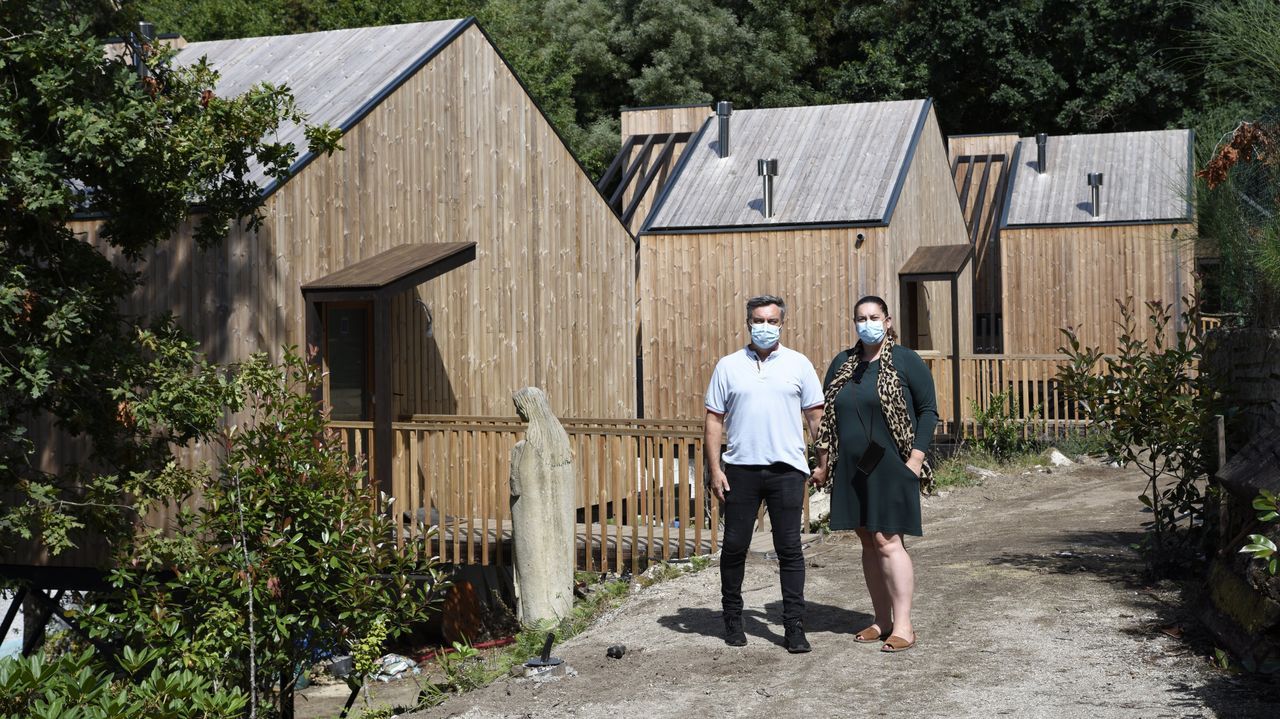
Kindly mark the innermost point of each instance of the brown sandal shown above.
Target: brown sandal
(896, 643)
(870, 634)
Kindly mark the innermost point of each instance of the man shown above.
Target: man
(757, 397)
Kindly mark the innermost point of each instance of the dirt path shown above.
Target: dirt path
(1029, 604)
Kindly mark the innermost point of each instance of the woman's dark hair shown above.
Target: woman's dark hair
(884, 307)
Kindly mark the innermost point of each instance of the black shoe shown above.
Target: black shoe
(796, 642)
(733, 634)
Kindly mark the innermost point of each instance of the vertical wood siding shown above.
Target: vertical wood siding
(457, 153)
(1072, 276)
(693, 288)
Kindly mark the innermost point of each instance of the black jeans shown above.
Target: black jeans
(782, 488)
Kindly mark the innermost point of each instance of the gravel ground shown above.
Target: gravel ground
(1029, 603)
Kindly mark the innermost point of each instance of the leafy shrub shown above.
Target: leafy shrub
(287, 559)
(1260, 546)
(78, 685)
(1001, 431)
(1155, 407)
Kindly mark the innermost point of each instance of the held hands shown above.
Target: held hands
(819, 477)
(719, 483)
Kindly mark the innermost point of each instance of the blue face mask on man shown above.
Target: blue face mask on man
(765, 335)
(871, 332)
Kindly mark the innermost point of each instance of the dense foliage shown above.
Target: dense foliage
(1156, 408)
(74, 685)
(1240, 198)
(288, 558)
(81, 133)
(1038, 65)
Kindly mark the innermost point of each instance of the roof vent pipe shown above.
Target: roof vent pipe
(1042, 142)
(767, 169)
(724, 109)
(142, 42)
(1095, 185)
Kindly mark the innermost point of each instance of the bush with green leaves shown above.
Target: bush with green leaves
(81, 134)
(82, 685)
(289, 557)
(1155, 407)
(1001, 431)
(1260, 546)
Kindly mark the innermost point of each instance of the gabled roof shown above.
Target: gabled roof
(838, 165)
(1146, 179)
(336, 76)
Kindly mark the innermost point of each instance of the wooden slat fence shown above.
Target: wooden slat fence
(1031, 380)
(641, 492)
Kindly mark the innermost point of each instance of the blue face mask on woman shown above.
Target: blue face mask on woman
(765, 335)
(871, 332)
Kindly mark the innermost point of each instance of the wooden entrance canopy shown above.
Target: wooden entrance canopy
(941, 263)
(378, 279)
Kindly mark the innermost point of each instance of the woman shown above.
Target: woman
(879, 420)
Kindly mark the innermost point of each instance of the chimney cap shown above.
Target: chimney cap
(147, 31)
(1042, 138)
(724, 107)
(767, 167)
(1094, 179)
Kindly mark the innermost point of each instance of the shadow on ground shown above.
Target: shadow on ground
(1175, 605)
(1108, 555)
(766, 624)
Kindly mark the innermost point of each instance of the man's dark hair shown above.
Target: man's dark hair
(765, 301)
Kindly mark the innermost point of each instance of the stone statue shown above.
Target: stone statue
(542, 513)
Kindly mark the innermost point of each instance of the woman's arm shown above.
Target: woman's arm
(915, 374)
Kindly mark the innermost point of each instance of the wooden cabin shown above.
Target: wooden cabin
(442, 144)
(981, 166)
(452, 253)
(863, 202)
(1065, 261)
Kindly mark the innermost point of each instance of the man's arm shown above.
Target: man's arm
(813, 418)
(713, 436)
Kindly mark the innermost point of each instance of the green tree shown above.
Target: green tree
(82, 134)
(1156, 409)
(1238, 123)
(289, 557)
(1038, 65)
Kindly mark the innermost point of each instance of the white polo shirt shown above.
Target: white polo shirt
(762, 404)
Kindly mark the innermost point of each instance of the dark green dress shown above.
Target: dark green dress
(887, 500)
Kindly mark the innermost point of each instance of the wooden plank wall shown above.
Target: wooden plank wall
(928, 213)
(991, 155)
(650, 120)
(1060, 276)
(693, 287)
(457, 153)
(997, 143)
(646, 121)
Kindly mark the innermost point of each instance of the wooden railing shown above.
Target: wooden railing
(1031, 380)
(641, 492)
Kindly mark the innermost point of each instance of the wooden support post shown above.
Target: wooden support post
(956, 410)
(315, 351)
(382, 415)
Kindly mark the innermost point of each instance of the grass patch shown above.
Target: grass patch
(1092, 442)
(953, 471)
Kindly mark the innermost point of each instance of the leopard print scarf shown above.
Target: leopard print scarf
(893, 400)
